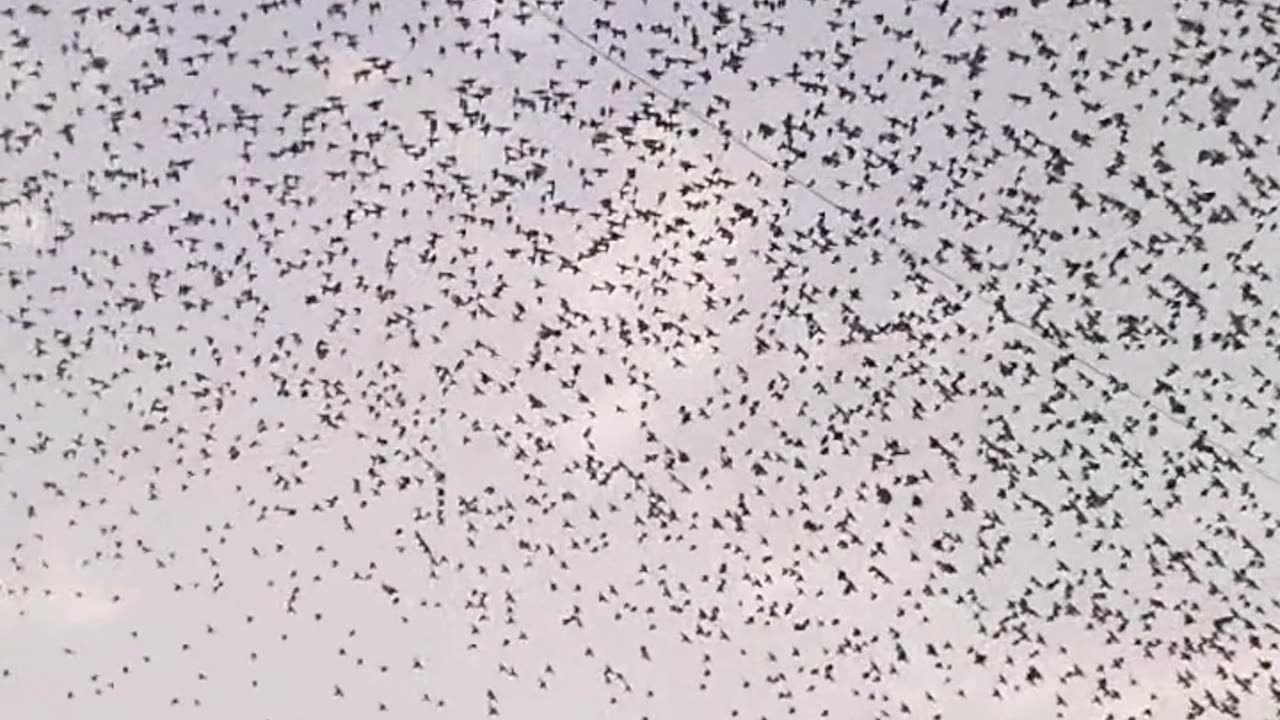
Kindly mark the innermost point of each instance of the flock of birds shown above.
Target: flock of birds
(639, 359)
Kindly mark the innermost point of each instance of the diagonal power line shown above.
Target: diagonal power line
(685, 107)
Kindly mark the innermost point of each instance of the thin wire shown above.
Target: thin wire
(1239, 462)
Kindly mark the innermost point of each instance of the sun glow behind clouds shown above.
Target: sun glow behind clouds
(22, 225)
(60, 595)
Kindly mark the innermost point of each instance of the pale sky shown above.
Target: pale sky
(744, 359)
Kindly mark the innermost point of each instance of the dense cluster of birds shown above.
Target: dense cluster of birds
(644, 359)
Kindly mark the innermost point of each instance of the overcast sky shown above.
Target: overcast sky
(637, 359)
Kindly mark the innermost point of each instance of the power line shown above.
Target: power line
(686, 108)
